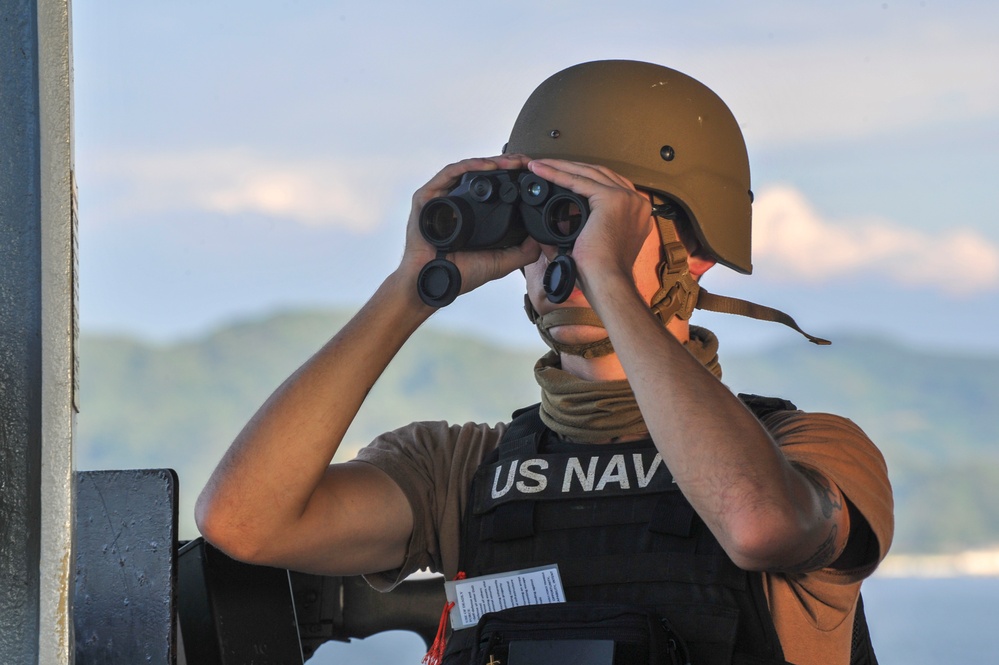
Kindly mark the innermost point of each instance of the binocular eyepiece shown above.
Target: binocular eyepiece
(494, 210)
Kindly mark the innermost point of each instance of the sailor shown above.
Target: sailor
(735, 530)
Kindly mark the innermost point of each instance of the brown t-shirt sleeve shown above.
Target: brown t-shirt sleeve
(813, 613)
(433, 463)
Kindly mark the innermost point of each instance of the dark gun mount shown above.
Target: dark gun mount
(143, 597)
(341, 608)
(236, 613)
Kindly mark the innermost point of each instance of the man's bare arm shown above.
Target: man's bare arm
(274, 498)
(766, 513)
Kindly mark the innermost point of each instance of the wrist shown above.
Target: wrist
(400, 288)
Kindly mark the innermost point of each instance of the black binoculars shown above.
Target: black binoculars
(497, 209)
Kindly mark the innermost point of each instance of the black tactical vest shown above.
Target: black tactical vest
(620, 531)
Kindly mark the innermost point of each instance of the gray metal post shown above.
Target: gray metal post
(37, 332)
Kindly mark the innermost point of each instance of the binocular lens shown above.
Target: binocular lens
(439, 283)
(560, 278)
(439, 222)
(564, 218)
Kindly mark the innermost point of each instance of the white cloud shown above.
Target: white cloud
(353, 194)
(791, 239)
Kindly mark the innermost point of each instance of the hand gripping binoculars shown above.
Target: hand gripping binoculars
(494, 210)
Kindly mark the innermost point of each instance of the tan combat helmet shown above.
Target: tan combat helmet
(672, 136)
(663, 130)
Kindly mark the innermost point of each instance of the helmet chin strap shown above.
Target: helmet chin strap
(570, 316)
(678, 289)
(709, 302)
(678, 295)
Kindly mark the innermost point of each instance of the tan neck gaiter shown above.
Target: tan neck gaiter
(601, 411)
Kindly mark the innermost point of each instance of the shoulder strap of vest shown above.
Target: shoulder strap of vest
(764, 406)
(524, 433)
(861, 649)
(520, 440)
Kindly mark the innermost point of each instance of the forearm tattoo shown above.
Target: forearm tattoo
(828, 497)
(823, 556)
(829, 502)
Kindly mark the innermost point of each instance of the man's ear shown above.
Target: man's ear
(698, 266)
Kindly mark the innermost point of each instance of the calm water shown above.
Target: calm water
(923, 621)
(913, 622)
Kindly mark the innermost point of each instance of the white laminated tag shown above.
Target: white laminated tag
(476, 596)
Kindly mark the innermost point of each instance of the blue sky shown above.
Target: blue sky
(234, 158)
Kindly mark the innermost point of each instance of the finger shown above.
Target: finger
(567, 175)
(597, 172)
(615, 176)
(480, 267)
(581, 172)
(511, 160)
(515, 258)
(447, 178)
(612, 176)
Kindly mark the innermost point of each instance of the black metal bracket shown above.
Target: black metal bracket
(233, 612)
(140, 597)
(126, 554)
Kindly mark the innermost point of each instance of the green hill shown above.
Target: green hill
(179, 405)
(934, 415)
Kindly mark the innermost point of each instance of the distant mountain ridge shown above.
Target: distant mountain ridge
(179, 405)
(935, 416)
